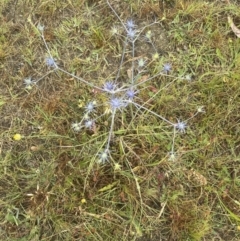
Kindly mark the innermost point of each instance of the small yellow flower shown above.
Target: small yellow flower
(117, 167)
(17, 137)
(28, 87)
(149, 34)
(81, 103)
(155, 56)
(83, 201)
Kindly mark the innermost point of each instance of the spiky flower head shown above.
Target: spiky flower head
(181, 126)
(103, 157)
(200, 109)
(131, 33)
(50, 62)
(109, 86)
(130, 24)
(29, 82)
(90, 106)
(116, 103)
(131, 93)
(141, 63)
(89, 124)
(167, 67)
(114, 30)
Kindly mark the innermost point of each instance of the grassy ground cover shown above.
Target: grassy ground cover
(54, 184)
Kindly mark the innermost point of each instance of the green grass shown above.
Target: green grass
(51, 187)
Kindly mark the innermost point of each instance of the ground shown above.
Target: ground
(54, 183)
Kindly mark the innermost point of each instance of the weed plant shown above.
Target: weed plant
(119, 97)
(122, 127)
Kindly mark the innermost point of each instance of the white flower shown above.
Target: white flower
(76, 126)
(141, 62)
(40, 27)
(103, 157)
(28, 82)
(200, 109)
(114, 30)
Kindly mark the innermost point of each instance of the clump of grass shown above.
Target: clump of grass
(111, 147)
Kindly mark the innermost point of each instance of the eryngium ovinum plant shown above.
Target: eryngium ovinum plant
(119, 98)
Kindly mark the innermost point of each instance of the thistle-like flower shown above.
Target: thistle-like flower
(90, 106)
(181, 126)
(131, 93)
(89, 124)
(130, 24)
(167, 67)
(131, 33)
(109, 86)
(50, 62)
(116, 103)
(114, 30)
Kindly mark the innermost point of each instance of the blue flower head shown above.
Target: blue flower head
(109, 86)
(181, 126)
(90, 106)
(131, 33)
(130, 24)
(50, 62)
(167, 67)
(131, 94)
(89, 124)
(116, 103)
